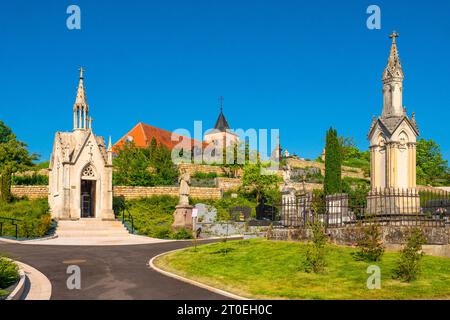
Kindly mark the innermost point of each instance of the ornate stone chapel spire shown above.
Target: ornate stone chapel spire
(81, 120)
(393, 83)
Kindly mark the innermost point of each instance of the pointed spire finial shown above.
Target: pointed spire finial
(81, 94)
(221, 104)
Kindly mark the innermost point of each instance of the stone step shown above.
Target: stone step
(91, 228)
(92, 235)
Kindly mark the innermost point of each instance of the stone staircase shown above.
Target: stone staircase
(85, 228)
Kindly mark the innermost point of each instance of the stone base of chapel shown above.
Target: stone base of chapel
(393, 201)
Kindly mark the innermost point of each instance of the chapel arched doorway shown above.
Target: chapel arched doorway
(87, 192)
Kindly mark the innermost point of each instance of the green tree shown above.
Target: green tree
(134, 166)
(14, 157)
(263, 183)
(5, 132)
(370, 242)
(131, 166)
(408, 267)
(333, 162)
(431, 167)
(348, 148)
(315, 253)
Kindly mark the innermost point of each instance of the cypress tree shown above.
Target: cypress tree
(333, 161)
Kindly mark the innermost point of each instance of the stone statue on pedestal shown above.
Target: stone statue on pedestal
(183, 212)
(184, 181)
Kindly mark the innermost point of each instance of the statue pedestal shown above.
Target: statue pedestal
(182, 217)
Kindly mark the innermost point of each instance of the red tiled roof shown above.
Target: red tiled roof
(142, 135)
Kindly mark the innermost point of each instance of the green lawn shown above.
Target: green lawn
(273, 270)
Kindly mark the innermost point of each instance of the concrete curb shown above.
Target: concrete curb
(28, 241)
(40, 287)
(189, 281)
(17, 293)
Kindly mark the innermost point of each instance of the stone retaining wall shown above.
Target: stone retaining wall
(37, 192)
(228, 183)
(392, 235)
(346, 171)
(142, 192)
(192, 168)
(31, 192)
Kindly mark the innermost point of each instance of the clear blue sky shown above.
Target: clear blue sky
(300, 66)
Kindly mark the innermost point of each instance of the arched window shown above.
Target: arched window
(88, 172)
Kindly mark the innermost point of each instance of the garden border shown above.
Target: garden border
(189, 281)
(18, 291)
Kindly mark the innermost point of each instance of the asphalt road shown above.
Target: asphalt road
(107, 272)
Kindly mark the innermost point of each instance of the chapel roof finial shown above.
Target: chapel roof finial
(393, 36)
(81, 94)
(221, 104)
(394, 67)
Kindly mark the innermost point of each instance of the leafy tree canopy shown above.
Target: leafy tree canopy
(262, 182)
(14, 154)
(431, 166)
(150, 166)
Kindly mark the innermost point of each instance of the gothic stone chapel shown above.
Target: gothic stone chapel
(80, 179)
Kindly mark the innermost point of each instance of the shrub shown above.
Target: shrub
(5, 185)
(9, 273)
(204, 175)
(370, 243)
(408, 267)
(153, 216)
(315, 253)
(182, 234)
(34, 216)
(30, 180)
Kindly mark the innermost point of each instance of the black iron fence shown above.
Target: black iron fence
(394, 207)
(8, 223)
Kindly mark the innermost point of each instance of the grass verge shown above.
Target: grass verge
(265, 269)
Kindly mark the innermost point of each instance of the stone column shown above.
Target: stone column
(388, 166)
(84, 116)
(107, 212)
(413, 172)
(394, 150)
(373, 164)
(75, 118)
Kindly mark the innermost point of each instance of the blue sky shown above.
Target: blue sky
(297, 66)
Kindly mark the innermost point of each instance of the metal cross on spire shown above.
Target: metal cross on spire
(393, 36)
(221, 103)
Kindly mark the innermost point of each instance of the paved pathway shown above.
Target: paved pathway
(107, 272)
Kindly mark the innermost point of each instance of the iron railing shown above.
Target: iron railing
(393, 207)
(13, 224)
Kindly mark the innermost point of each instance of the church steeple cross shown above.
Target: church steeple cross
(221, 103)
(394, 35)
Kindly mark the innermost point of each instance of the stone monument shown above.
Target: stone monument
(183, 211)
(393, 139)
